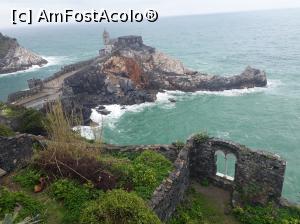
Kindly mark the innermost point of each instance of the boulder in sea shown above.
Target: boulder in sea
(104, 112)
(172, 100)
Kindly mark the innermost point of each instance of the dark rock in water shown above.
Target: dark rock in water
(123, 108)
(101, 107)
(172, 100)
(14, 57)
(104, 112)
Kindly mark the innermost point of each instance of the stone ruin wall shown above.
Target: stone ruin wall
(259, 176)
(171, 192)
(21, 94)
(15, 152)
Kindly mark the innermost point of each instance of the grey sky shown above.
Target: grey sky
(164, 7)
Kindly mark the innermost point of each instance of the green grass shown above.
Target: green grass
(197, 209)
(143, 171)
(267, 215)
(30, 207)
(73, 196)
(148, 170)
(201, 137)
(6, 131)
(64, 199)
(27, 178)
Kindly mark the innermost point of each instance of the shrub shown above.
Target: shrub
(9, 200)
(32, 121)
(128, 155)
(28, 178)
(73, 196)
(118, 207)
(67, 154)
(121, 168)
(6, 131)
(179, 145)
(83, 169)
(11, 111)
(200, 138)
(267, 215)
(148, 170)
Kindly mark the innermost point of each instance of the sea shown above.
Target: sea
(221, 44)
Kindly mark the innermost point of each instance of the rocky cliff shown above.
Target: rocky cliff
(134, 74)
(14, 57)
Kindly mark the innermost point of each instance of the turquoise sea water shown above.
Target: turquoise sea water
(222, 44)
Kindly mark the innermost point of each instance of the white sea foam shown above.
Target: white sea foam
(52, 60)
(88, 132)
(117, 111)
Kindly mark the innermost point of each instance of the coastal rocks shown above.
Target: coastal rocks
(172, 100)
(128, 73)
(133, 75)
(14, 57)
(102, 110)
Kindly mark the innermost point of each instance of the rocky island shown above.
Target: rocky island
(126, 72)
(14, 57)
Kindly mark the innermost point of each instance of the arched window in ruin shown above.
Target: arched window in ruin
(230, 162)
(220, 160)
(225, 165)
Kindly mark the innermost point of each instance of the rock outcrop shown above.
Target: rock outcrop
(135, 73)
(14, 57)
(16, 152)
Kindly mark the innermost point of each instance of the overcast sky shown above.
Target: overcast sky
(164, 7)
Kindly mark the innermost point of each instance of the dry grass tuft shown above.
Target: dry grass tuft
(68, 155)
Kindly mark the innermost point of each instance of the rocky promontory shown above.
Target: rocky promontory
(126, 72)
(129, 72)
(14, 57)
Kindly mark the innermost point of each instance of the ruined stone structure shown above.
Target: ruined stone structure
(258, 176)
(35, 83)
(170, 193)
(121, 42)
(16, 151)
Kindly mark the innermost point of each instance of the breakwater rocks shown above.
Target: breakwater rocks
(14, 57)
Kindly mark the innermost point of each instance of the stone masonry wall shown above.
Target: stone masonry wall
(15, 151)
(258, 176)
(170, 193)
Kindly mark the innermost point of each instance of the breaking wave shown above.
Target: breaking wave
(162, 101)
(52, 60)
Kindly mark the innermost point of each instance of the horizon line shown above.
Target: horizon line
(163, 17)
